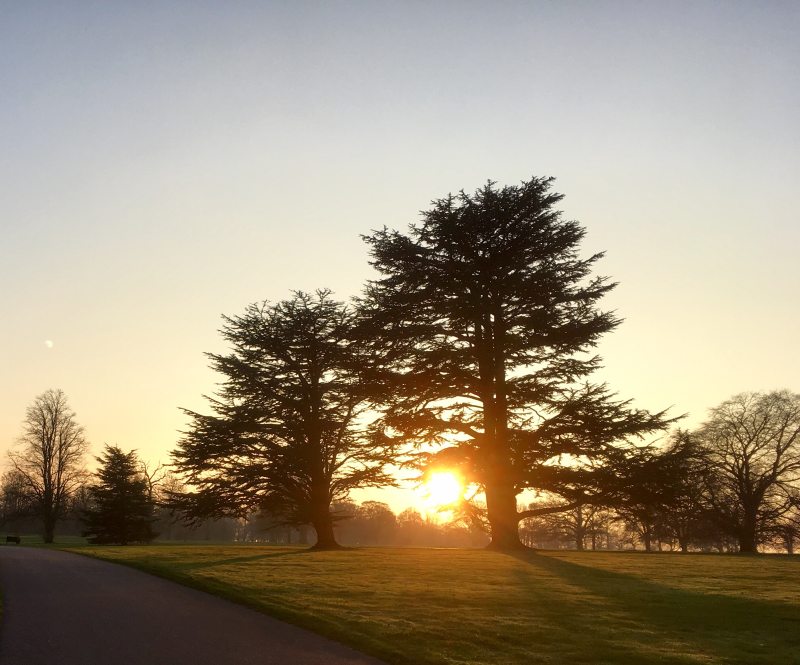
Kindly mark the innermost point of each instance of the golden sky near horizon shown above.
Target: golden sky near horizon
(165, 164)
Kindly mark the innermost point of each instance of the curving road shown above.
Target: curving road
(65, 609)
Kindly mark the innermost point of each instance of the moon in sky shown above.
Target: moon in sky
(48, 343)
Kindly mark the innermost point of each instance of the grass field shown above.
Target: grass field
(472, 606)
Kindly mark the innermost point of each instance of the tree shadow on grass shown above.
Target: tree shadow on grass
(706, 627)
(215, 563)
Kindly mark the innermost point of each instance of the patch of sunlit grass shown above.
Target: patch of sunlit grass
(467, 607)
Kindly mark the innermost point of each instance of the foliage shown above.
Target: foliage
(285, 433)
(119, 508)
(430, 606)
(49, 457)
(651, 486)
(485, 316)
(685, 513)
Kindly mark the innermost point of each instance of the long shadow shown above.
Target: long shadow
(198, 565)
(726, 629)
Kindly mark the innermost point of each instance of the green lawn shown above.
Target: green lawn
(471, 606)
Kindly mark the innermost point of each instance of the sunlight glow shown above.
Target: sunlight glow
(442, 488)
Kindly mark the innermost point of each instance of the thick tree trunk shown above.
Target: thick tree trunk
(501, 507)
(321, 519)
(747, 536)
(747, 542)
(326, 539)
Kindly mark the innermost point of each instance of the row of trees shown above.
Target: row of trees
(728, 485)
(371, 523)
(471, 350)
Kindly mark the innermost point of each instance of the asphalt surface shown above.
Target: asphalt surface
(65, 609)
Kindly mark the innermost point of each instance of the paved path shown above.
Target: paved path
(65, 609)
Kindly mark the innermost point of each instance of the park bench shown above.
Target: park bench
(12, 539)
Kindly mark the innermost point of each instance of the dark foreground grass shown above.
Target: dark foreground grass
(471, 606)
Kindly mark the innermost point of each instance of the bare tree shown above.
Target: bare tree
(49, 457)
(752, 442)
(154, 475)
(786, 532)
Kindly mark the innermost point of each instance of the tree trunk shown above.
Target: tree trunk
(49, 530)
(747, 537)
(326, 539)
(747, 544)
(321, 518)
(580, 531)
(49, 523)
(501, 508)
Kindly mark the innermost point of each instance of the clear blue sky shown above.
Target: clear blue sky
(163, 163)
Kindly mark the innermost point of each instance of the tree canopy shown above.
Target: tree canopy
(486, 316)
(285, 435)
(119, 507)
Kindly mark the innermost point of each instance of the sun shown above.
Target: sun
(442, 488)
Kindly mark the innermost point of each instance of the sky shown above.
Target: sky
(165, 163)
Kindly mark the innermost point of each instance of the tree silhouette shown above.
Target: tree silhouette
(752, 444)
(485, 314)
(119, 507)
(685, 511)
(16, 500)
(646, 488)
(285, 434)
(49, 459)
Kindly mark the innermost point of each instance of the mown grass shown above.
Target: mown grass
(427, 606)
